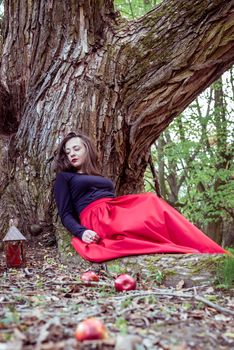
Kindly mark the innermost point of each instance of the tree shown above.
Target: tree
(194, 159)
(77, 65)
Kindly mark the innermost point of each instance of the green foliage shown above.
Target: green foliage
(122, 325)
(158, 277)
(116, 269)
(194, 157)
(132, 9)
(187, 306)
(11, 316)
(225, 273)
(154, 274)
(126, 303)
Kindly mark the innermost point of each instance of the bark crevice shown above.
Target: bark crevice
(8, 122)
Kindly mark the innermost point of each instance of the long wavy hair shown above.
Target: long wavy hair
(90, 165)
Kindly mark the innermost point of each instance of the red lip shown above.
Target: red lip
(74, 160)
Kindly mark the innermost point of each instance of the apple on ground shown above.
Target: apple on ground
(89, 276)
(124, 283)
(91, 329)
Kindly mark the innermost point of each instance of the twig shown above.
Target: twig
(213, 305)
(72, 283)
(178, 295)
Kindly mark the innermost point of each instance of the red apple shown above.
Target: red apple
(91, 329)
(90, 276)
(125, 282)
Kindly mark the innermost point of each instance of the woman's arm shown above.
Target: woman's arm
(65, 209)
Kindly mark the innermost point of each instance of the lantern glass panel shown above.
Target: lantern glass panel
(15, 254)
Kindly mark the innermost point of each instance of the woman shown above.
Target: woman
(106, 227)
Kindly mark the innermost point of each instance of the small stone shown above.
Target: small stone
(35, 229)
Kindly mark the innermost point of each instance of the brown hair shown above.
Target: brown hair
(90, 165)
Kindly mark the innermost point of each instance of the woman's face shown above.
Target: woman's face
(76, 152)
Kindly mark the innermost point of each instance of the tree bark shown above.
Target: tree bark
(8, 122)
(69, 65)
(214, 229)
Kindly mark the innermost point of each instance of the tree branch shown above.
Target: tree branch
(155, 176)
(177, 295)
(131, 10)
(170, 60)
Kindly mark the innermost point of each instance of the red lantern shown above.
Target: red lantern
(14, 246)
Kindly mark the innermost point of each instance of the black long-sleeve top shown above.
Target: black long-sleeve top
(73, 192)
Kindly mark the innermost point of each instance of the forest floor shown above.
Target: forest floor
(172, 308)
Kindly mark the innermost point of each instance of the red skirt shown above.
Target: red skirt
(139, 224)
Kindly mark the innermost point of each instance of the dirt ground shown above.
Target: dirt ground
(176, 305)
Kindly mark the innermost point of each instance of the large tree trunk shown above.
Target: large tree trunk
(69, 65)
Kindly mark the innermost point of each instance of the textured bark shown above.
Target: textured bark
(8, 122)
(70, 65)
(214, 229)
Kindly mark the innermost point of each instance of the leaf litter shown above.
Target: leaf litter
(41, 305)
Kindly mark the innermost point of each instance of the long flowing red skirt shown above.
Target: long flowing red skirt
(139, 224)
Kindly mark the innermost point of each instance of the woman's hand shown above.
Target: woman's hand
(90, 236)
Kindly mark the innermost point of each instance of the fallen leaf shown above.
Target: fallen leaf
(127, 342)
(180, 285)
(229, 335)
(209, 290)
